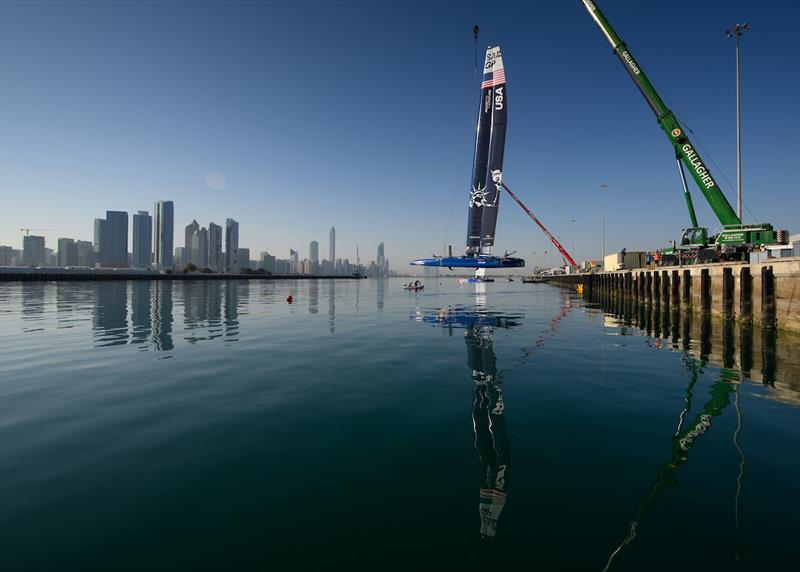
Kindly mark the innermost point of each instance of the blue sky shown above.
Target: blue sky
(360, 115)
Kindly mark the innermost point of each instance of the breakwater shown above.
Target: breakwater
(766, 294)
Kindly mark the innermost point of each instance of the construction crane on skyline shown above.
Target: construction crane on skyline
(28, 230)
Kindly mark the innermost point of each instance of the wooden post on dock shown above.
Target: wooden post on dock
(767, 297)
(687, 287)
(675, 286)
(649, 285)
(656, 286)
(705, 291)
(727, 293)
(665, 286)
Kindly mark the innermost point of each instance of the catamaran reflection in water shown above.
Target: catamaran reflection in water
(488, 409)
(489, 425)
(487, 177)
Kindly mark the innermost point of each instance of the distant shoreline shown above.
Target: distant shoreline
(49, 276)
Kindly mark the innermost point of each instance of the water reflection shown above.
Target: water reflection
(701, 340)
(313, 297)
(381, 293)
(684, 439)
(161, 315)
(710, 339)
(110, 313)
(489, 426)
(332, 306)
(141, 301)
(488, 409)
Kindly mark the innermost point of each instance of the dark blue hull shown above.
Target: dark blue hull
(470, 262)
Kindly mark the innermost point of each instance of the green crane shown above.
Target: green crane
(735, 238)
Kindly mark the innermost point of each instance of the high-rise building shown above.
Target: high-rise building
(190, 229)
(142, 239)
(33, 252)
(117, 238)
(244, 258)
(268, 262)
(180, 253)
(231, 246)
(100, 240)
(6, 254)
(382, 265)
(294, 259)
(199, 253)
(332, 256)
(215, 262)
(67, 252)
(163, 231)
(85, 251)
(313, 257)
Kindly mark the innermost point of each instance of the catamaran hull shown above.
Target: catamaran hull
(471, 262)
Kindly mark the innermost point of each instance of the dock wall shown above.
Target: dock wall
(766, 294)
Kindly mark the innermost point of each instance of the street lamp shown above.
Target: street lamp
(734, 32)
(572, 252)
(603, 188)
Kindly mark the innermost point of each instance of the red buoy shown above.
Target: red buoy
(289, 298)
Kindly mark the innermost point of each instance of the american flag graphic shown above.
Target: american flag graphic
(494, 78)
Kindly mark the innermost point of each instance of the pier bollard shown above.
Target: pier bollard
(767, 298)
(687, 287)
(656, 286)
(705, 291)
(727, 293)
(675, 283)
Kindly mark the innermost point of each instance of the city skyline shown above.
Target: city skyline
(389, 165)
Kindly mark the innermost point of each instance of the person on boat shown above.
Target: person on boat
(416, 283)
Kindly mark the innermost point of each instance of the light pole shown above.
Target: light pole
(736, 31)
(603, 188)
(572, 252)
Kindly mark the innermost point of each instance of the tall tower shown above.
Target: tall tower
(117, 233)
(163, 231)
(190, 229)
(313, 251)
(215, 247)
(142, 239)
(333, 247)
(231, 245)
(380, 261)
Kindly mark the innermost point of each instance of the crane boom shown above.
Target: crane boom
(564, 254)
(684, 150)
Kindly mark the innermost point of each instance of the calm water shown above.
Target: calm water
(211, 425)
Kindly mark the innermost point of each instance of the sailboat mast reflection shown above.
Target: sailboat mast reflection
(489, 426)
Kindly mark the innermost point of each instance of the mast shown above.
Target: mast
(684, 150)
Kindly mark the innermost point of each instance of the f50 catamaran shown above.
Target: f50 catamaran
(487, 175)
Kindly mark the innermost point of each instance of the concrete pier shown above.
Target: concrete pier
(765, 294)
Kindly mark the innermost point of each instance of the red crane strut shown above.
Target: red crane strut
(565, 255)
